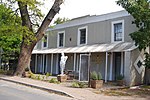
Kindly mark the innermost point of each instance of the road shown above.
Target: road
(12, 91)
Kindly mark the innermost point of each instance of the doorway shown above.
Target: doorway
(84, 67)
(118, 63)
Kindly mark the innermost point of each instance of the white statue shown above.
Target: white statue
(63, 62)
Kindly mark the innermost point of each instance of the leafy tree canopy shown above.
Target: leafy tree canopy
(140, 10)
(10, 31)
(31, 28)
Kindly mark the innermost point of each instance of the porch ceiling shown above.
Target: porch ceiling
(110, 47)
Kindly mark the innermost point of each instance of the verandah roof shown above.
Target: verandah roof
(110, 47)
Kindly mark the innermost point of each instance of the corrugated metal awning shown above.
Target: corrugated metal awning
(110, 47)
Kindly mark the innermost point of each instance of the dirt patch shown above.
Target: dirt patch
(142, 91)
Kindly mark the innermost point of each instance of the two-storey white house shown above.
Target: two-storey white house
(98, 43)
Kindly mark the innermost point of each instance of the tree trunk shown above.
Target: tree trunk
(26, 50)
(24, 60)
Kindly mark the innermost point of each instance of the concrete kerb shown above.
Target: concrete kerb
(41, 88)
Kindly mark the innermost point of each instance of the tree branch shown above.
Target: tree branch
(24, 15)
(53, 11)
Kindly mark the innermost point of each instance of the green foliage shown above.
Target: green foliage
(75, 85)
(141, 38)
(147, 60)
(95, 76)
(43, 77)
(79, 85)
(54, 80)
(2, 71)
(12, 23)
(120, 77)
(48, 74)
(60, 20)
(140, 10)
(10, 32)
(27, 27)
(38, 77)
(33, 9)
(6, 72)
(99, 76)
(33, 76)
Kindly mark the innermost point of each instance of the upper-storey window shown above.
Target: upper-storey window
(118, 31)
(82, 36)
(45, 41)
(61, 39)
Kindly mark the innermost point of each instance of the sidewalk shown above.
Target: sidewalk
(75, 93)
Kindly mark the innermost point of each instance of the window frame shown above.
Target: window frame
(46, 41)
(112, 30)
(58, 39)
(79, 34)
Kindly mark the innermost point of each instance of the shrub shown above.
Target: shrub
(6, 72)
(95, 76)
(82, 84)
(48, 74)
(120, 77)
(43, 77)
(79, 85)
(2, 71)
(38, 77)
(99, 76)
(33, 76)
(75, 85)
(9, 72)
(54, 80)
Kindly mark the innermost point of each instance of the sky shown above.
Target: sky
(77, 8)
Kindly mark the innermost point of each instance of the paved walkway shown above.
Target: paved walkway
(76, 93)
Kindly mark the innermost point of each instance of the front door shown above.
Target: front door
(84, 68)
(117, 64)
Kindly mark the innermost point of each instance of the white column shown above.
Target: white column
(121, 63)
(77, 68)
(51, 63)
(57, 64)
(111, 66)
(106, 67)
(35, 63)
(46, 63)
(89, 65)
(43, 62)
(74, 64)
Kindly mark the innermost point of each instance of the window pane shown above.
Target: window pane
(118, 32)
(82, 36)
(45, 41)
(61, 39)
